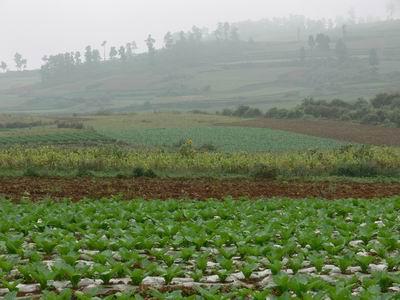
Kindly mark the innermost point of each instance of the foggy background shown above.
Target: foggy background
(39, 27)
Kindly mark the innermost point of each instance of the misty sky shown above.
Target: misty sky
(38, 27)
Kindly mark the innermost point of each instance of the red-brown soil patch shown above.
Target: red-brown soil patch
(343, 131)
(78, 188)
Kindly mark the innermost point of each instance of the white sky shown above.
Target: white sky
(38, 27)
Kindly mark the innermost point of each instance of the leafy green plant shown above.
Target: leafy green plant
(6, 265)
(187, 253)
(168, 259)
(275, 266)
(364, 262)
(14, 244)
(171, 273)
(41, 274)
(64, 295)
(12, 286)
(317, 261)
(201, 262)
(223, 275)
(137, 276)
(296, 263)
(106, 276)
(196, 275)
(343, 262)
(46, 244)
(248, 268)
(282, 282)
(226, 263)
(340, 291)
(384, 280)
(393, 262)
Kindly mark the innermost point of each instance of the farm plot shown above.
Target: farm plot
(309, 249)
(338, 130)
(229, 139)
(50, 136)
(347, 161)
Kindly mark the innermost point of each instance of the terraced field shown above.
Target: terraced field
(309, 249)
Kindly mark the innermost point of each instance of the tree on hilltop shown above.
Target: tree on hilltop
(3, 66)
(20, 62)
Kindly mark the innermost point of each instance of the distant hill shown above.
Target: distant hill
(264, 69)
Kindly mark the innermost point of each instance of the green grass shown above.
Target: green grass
(293, 240)
(229, 139)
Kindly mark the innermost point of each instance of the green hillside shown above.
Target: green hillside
(211, 75)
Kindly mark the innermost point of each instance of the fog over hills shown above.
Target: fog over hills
(39, 27)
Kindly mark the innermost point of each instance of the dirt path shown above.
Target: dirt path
(339, 130)
(76, 189)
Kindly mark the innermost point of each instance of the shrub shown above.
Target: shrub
(227, 112)
(361, 169)
(150, 174)
(82, 171)
(73, 125)
(208, 147)
(187, 149)
(139, 172)
(31, 172)
(264, 172)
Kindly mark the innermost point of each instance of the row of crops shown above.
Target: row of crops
(62, 137)
(309, 249)
(345, 161)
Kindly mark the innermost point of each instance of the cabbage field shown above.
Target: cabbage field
(310, 249)
(227, 139)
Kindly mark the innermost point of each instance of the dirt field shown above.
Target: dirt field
(343, 131)
(76, 189)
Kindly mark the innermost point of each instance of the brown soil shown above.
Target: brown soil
(78, 188)
(339, 130)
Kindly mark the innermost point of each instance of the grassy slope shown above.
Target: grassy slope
(264, 74)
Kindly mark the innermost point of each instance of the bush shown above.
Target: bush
(362, 169)
(83, 172)
(227, 112)
(187, 149)
(73, 125)
(385, 99)
(31, 172)
(208, 147)
(139, 172)
(264, 172)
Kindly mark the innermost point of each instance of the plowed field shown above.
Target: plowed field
(76, 189)
(342, 131)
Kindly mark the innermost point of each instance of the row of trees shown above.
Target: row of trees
(64, 63)
(322, 43)
(20, 63)
(382, 109)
